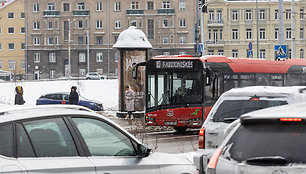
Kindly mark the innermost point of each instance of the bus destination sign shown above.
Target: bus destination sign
(174, 64)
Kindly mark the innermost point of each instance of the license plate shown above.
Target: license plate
(170, 123)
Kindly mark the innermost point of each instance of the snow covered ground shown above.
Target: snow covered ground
(105, 91)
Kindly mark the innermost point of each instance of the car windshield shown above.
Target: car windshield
(233, 109)
(268, 142)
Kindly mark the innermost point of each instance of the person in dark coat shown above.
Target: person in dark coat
(18, 97)
(73, 96)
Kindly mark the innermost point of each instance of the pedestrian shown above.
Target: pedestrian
(19, 96)
(73, 96)
(129, 102)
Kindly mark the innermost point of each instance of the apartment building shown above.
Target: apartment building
(230, 26)
(12, 38)
(95, 26)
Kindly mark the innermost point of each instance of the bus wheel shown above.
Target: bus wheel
(180, 129)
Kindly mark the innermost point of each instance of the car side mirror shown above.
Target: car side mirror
(142, 151)
(135, 69)
(208, 74)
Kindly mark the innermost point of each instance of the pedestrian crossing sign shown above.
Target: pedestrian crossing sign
(281, 51)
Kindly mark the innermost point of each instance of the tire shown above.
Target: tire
(88, 78)
(180, 129)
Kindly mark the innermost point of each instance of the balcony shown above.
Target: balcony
(215, 23)
(134, 12)
(215, 43)
(167, 11)
(51, 13)
(81, 12)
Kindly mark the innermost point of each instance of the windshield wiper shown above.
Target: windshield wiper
(229, 119)
(267, 161)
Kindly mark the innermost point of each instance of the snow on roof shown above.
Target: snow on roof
(132, 38)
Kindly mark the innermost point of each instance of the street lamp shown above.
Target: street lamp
(69, 49)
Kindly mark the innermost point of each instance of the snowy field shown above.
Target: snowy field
(105, 91)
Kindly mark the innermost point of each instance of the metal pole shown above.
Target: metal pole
(108, 39)
(281, 22)
(197, 26)
(257, 29)
(69, 65)
(202, 32)
(26, 39)
(88, 51)
(292, 30)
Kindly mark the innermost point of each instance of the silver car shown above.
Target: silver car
(270, 141)
(73, 139)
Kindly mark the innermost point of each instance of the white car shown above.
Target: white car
(270, 141)
(94, 76)
(231, 105)
(74, 139)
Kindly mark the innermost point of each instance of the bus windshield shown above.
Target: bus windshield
(174, 88)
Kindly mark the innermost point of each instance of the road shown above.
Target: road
(167, 141)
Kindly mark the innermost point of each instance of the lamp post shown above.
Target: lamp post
(69, 49)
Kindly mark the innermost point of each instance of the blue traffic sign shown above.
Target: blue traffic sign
(281, 51)
(250, 54)
(250, 46)
(200, 48)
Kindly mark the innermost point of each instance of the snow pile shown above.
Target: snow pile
(104, 91)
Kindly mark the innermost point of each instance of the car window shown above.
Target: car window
(66, 97)
(24, 147)
(103, 139)
(51, 138)
(236, 108)
(268, 140)
(6, 143)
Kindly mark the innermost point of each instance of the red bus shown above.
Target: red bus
(180, 90)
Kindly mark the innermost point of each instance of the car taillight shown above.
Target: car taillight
(202, 138)
(291, 119)
(211, 167)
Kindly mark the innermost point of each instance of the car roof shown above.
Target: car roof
(297, 110)
(265, 91)
(57, 93)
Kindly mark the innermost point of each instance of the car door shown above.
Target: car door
(111, 151)
(47, 146)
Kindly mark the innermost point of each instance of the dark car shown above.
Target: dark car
(62, 98)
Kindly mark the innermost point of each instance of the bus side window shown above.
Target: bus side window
(262, 79)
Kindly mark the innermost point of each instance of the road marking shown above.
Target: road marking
(169, 138)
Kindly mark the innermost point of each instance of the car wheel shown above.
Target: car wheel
(88, 78)
(180, 129)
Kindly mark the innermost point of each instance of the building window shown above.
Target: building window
(10, 15)
(0, 46)
(0, 30)
(36, 41)
(276, 14)
(248, 14)
(182, 40)
(82, 57)
(289, 54)
(36, 57)
(22, 30)
(235, 15)
(99, 57)
(81, 6)
(248, 33)
(262, 54)
(301, 33)
(166, 4)
(99, 24)
(150, 29)
(262, 33)
(51, 6)
(210, 52)
(134, 23)
(301, 13)
(276, 33)
(11, 30)
(165, 23)
(262, 14)
(11, 46)
(99, 40)
(117, 24)
(288, 33)
(50, 25)
(80, 40)
(22, 46)
(116, 38)
(23, 64)
(301, 54)
(134, 5)
(235, 53)
(182, 23)
(117, 6)
(99, 6)
(288, 14)
(12, 65)
(221, 34)
(66, 7)
(211, 15)
(219, 16)
(166, 53)
(150, 5)
(235, 34)
(209, 34)
(22, 15)
(1, 64)
(50, 41)
(52, 73)
(80, 24)
(221, 52)
(36, 25)
(182, 6)
(165, 40)
(52, 58)
(35, 7)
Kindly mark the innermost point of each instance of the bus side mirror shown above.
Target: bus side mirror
(135, 69)
(208, 73)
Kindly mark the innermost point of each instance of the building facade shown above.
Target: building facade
(95, 26)
(12, 38)
(230, 26)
